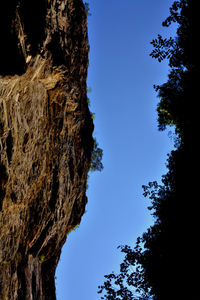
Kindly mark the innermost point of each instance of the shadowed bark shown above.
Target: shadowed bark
(45, 139)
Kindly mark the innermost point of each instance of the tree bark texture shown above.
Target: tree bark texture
(45, 139)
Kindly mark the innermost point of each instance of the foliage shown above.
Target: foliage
(87, 9)
(41, 258)
(97, 154)
(156, 267)
(173, 108)
(72, 228)
(129, 284)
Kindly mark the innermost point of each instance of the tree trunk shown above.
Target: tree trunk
(45, 139)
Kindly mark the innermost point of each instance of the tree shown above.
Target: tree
(160, 265)
(182, 85)
(97, 155)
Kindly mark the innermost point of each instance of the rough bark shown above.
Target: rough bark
(45, 139)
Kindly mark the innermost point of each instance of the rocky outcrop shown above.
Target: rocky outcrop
(45, 139)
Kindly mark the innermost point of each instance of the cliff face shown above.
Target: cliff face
(45, 139)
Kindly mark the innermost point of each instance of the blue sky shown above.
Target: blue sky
(121, 76)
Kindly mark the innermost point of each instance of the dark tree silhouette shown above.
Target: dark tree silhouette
(160, 266)
(97, 155)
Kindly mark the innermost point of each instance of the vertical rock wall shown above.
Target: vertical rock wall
(45, 139)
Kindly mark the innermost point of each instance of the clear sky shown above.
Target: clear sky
(121, 76)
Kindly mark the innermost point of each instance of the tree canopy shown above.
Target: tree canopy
(160, 265)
